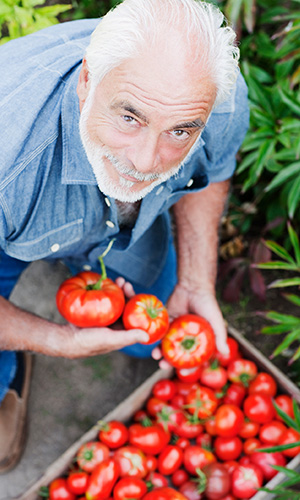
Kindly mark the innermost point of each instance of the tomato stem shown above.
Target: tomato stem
(97, 286)
(188, 343)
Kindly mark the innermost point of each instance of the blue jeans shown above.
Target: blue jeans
(10, 271)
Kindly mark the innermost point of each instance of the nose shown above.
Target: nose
(144, 152)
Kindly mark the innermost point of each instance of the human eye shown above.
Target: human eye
(180, 134)
(128, 119)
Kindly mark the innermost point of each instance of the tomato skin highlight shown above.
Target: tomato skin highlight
(228, 448)
(272, 432)
(146, 312)
(102, 480)
(77, 482)
(129, 488)
(229, 420)
(164, 389)
(263, 384)
(151, 440)
(189, 342)
(259, 408)
(170, 459)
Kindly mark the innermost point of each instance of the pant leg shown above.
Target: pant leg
(10, 271)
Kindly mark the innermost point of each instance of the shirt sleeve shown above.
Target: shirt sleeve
(224, 134)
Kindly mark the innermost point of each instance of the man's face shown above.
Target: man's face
(141, 121)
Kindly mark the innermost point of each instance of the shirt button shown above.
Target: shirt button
(55, 247)
(87, 267)
(190, 183)
(107, 201)
(109, 223)
(160, 189)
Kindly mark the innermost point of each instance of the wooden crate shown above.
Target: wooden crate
(136, 400)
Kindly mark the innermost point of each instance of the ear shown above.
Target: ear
(83, 85)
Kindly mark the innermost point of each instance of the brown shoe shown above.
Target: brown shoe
(13, 412)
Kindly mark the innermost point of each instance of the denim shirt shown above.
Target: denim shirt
(50, 204)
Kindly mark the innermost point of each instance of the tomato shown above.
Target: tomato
(217, 481)
(204, 440)
(230, 465)
(189, 374)
(225, 359)
(187, 428)
(114, 434)
(272, 432)
(195, 457)
(130, 487)
(246, 479)
(178, 401)
(259, 408)
(164, 493)
(265, 461)
(77, 482)
(201, 402)
(290, 436)
(228, 448)
(169, 418)
(235, 394)
(170, 459)
(182, 442)
(156, 480)
(151, 462)
(184, 388)
(88, 300)
(102, 480)
(164, 389)
(229, 420)
(190, 490)
(146, 312)
(91, 454)
(179, 477)
(249, 429)
(242, 371)
(263, 383)
(285, 403)
(250, 445)
(58, 490)
(131, 461)
(154, 406)
(213, 375)
(151, 440)
(189, 342)
(210, 426)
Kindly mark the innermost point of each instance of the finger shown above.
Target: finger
(156, 353)
(221, 344)
(120, 281)
(128, 290)
(164, 365)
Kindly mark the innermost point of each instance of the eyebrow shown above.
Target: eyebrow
(127, 106)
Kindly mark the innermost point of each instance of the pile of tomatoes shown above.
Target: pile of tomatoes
(196, 438)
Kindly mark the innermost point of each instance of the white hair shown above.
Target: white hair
(138, 24)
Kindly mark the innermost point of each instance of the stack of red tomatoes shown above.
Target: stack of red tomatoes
(196, 437)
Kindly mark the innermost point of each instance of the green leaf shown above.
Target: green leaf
(289, 124)
(287, 341)
(295, 241)
(233, 10)
(285, 417)
(53, 10)
(282, 318)
(247, 161)
(277, 329)
(277, 264)
(279, 250)
(296, 414)
(295, 356)
(249, 16)
(292, 104)
(260, 95)
(294, 198)
(280, 447)
(286, 282)
(264, 153)
(284, 175)
(295, 299)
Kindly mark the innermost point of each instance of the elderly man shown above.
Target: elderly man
(122, 133)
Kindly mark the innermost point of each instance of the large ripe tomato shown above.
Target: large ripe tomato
(229, 420)
(91, 454)
(242, 371)
(146, 312)
(165, 493)
(131, 461)
(246, 479)
(88, 301)
(228, 448)
(259, 408)
(189, 342)
(201, 402)
(151, 440)
(265, 460)
(102, 480)
(195, 457)
(58, 490)
(170, 459)
(130, 488)
(263, 383)
(114, 434)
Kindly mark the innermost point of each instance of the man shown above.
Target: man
(101, 137)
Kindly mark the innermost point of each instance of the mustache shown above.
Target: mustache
(132, 172)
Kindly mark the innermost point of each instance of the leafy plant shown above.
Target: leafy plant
(92, 8)
(23, 17)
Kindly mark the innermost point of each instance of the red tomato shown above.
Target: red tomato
(190, 490)
(131, 461)
(201, 402)
(228, 448)
(204, 440)
(88, 301)
(182, 442)
(131, 488)
(265, 461)
(164, 389)
(151, 440)
(195, 457)
(186, 427)
(230, 465)
(217, 481)
(164, 493)
(183, 388)
(156, 480)
(154, 406)
(246, 479)
(290, 436)
(285, 403)
(91, 454)
(229, 420)
(249, 429)
(242, 371)
(179, 477)
(146, 312)
(272, 432)
(77, 482)
(259, 408)
(169, 418)
(170, 459)
(189, 342)
(263, 383)
(210, 426)
(225, 359)
(58, 490)
(213, 375)
(114, 434)
(250, 445)
(235, 394)
(151, 462)
(102, 480)
(189, 374)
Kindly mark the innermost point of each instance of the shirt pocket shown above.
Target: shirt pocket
(55, 243)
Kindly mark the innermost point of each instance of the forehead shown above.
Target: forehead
(164, 81)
